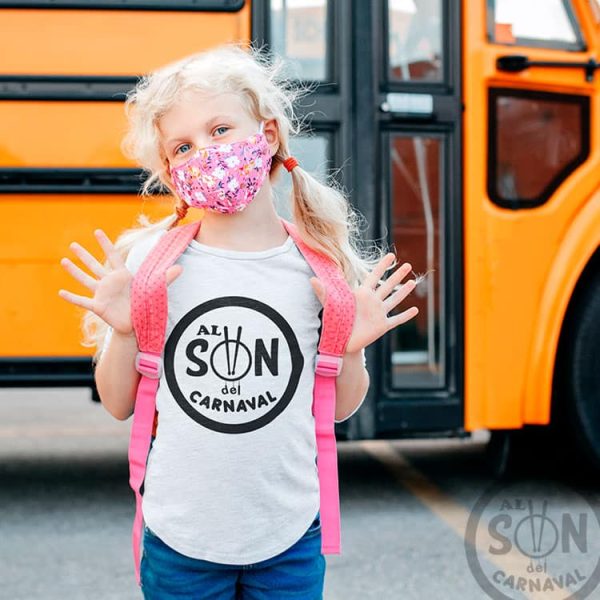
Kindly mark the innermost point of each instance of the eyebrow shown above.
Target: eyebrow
(209, 122)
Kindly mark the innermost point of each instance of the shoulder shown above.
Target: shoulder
(141, 248)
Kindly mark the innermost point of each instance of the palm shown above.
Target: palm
(374, 302)
(111, 300)
(111, 290)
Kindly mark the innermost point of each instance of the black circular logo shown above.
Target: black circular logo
(233, 364)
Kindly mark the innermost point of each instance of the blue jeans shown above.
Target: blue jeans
(298, 572)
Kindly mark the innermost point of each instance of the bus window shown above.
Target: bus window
(415, 40)
(536, 23)
(536, 141)
(417, 196)
(299, 31)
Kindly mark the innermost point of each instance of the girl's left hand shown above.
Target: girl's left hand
(374, 303)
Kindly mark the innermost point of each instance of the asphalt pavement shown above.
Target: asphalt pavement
(407, 506)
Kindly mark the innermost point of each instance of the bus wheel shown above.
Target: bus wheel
(516, 452)
(497, 452)
(576, 391)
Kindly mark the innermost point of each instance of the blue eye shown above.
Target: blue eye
(180, 147)
(221, 127)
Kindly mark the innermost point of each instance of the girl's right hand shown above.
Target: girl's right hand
(111, 299)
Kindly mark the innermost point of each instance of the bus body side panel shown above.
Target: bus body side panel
(110, 42)
(513, 291)
(578, 245)
(62, 173)
(36, 233)
(580, 240)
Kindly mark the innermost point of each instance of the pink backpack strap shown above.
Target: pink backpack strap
(149, 319)
(338, 320)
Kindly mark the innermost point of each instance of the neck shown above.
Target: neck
(257, 227)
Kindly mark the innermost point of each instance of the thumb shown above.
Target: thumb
(319, 288)
(173, 273)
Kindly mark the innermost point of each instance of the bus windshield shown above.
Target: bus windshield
(541, 23)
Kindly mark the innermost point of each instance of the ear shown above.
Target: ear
(271, 131)
(165, 173)
(165, 178)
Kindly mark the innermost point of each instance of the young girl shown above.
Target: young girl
(229, 507)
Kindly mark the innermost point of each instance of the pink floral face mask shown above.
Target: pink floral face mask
(224, 177)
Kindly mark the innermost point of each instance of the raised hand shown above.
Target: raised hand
(374, 302)
(111, 288)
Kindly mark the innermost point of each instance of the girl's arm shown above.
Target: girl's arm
(351, 385)
(116, 376)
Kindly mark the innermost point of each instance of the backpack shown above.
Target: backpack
(149, 319)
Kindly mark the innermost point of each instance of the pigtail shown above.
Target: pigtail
(181, 209)
(327, 222)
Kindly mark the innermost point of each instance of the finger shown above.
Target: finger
(82, 301)
(397, 297)
(402, 317)
(88, 260)
(80, 275)
(113, 255)
(393, 280)
(372, 279)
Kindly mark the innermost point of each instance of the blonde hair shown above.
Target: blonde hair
(321, 211)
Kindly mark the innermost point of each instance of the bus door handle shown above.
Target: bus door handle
(408, 105)
(514, 63)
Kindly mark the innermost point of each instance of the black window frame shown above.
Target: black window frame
(325, 113)
(328, 85)
(494, 94)
(159, 5)
(445, 84)
(447, 138)
(579, 46)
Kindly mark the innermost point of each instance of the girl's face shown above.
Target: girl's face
(198, 120)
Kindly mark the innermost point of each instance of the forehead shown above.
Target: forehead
(195, 109)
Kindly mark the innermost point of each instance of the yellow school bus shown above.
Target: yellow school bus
(467, 134)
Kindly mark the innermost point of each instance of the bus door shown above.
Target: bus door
(408, 142)
(384, 115)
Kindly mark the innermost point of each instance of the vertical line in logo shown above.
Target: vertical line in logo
(226, 329)
(237, 346)
(543, 519)
(533, 540)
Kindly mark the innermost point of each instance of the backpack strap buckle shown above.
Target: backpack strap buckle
(328, 365)
(149, 364)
